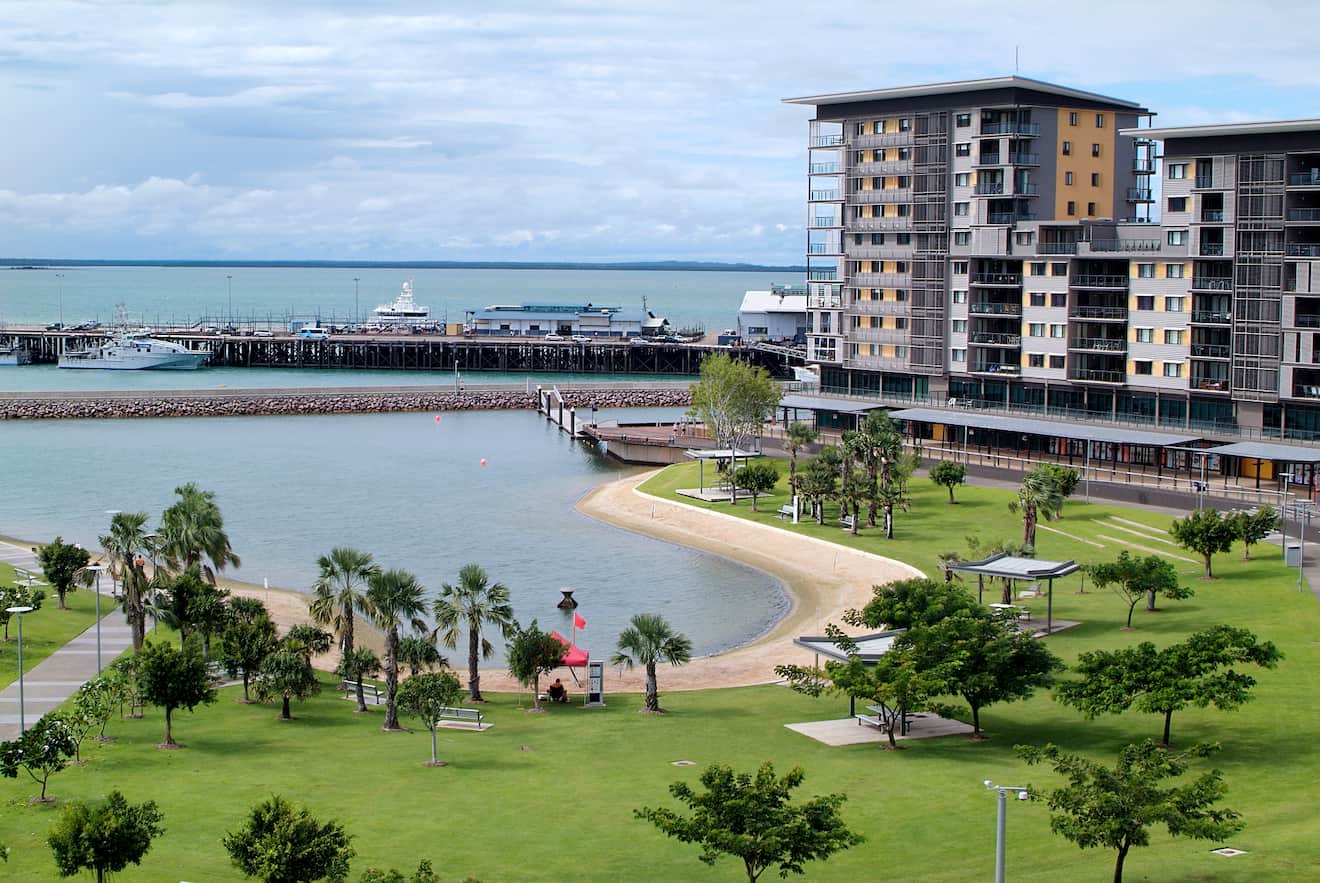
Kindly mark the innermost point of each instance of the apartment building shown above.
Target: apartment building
(994, 241)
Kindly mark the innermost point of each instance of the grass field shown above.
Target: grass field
(550, 797)
(47, 629)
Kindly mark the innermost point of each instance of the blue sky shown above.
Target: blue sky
(530, 131)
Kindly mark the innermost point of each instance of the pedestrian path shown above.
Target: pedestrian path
(59, 676)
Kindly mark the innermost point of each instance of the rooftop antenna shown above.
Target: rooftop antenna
(1015, 60)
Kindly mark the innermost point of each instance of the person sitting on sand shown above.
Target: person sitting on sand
(557, 693)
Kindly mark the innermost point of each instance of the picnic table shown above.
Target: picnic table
(1015, 611)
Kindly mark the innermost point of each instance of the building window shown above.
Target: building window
(1173, 304)
(1072, 118)
(905, 153)
(962, 120)
(1058, 331)
(1037, 298)
(1035, 360)
(1177, 203)
(959, 326)
(1095, 150)
(962, 209)
(1035, 329)
(900, 294)
(861, 129)
(1067, 148)
(1146, 271)
(1174, 336)
(1099, 121)
(959, 355)
(1177, 237)
(1141, 367)
(1177, 171)
(1056, 361)
(1174, 271)
(903, 238)
(1059, 299)
(960, 268)
(962, 237)
(1173, 369)
(1145, 335)
(1145, 301)
(962, 149)
(904, 124)
(900, 352)
(960, 295)
(1059, 269)
(1095, 179)
(1023, 237)
(900, 322)
(962, 179)
(1037, 268)
(1090, 209)
(1072, 208)
(1068, 178)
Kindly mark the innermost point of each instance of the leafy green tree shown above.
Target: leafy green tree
(182, 595)
(820, 479)
(797, 438)
(754, 819)
(310, 639)
(355, 665)
(127, 674)
(172, 679)
(245, 644)
(757, 478)
(282, 843)
(1201, 671)
(287, 673)
(531, 653)
(340, 591)
(41, 751)
(64, 565)
(1065, 478)
(420, 654)
(471, 605)
(243, 609)
(880, 443)
(1037, 499)
(423, 874)
(81, 723)
(96, 701)
(425, 696)
(106, 838)
(649, 640)
(211, 615)
(1133, 578)
(909, 603)
(128, 537)
(1115, 809)
(733, 399)
(396, 602)
(18, 596)
(948, 474)
(1204, 532)
(192, 534)
(1252, 527)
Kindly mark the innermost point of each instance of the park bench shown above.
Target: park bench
(369, 691)
(870, 720)
(215, 671)
(785, 511)
(846, 522)
(464, 715)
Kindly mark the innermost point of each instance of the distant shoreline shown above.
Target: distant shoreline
(672, 266)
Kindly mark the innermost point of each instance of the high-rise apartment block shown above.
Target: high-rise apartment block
(996, 241)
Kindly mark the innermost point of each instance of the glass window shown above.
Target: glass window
(962, 149)
(960, 268)
(1099, 121)
(1059, 269)
(1173, 336)
(1177, 237)
(962, 209)
(1037, 268)
(1058, 331)
(1174, 271)
(959, 296)
(1067, 148)
(959, 355)
(1173, 304)
(1095, 179)
(1059, 299)
(1173, 369)
(1145, 335)
(1177, 203)
(1145, 302)
(1035, 329)
(1090, 209)
(962, 179)
(1068, 178)
(1141, 367)
(959, 326)
(1072, 207)
(1056, 361)
(963, 120)
(1035, 360)
(1072, 118)
(1038, 298)
(1023, 237)
(1146, 271)
(962, 237)
(1095, 150)
(1177, 171)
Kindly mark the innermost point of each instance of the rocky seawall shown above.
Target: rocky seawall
(248, 403)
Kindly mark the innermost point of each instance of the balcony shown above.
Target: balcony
(995, 368)
(1096, 375)
(1211, 216)
(1024, 159)
(1211, 351)
(880, 280)
(885, 139)
(1139, 194)
(880, 252)
(1210, 384)
(1002, 279)
(1305, 179)
(1009, 217)
(825, 196)
(824, 301)
(1125, 245)
(1211, 317)
(823, 248)
(899, 224)
(879, 308)
(1010, 128)
(1098, 344)
(1204, 182)
(990, 188)
(823, 275)
(898, 336)
(1026, 190)
(1211, 283)
(824, 222)
(825, 168)
(1099, 312)
(993, 339)
(827, 141)
(1303, 250)
(1306, 392)
(1306, 320)
(1212, 249)
(1143, 166)
(871, 197)
(886, 167)
(991, 308)
(1056, 248)
(1304, 214)
(1091, 280)
(879, 362)
(988, 159)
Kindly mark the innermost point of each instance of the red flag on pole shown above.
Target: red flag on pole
(578, 621)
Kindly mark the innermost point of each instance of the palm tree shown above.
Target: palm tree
(339, 591)
(420, 654)
(127, 537)
(192, 532)
(356, 664)
(474, 602)
(799, 435)
(1037, 499)
(650, 640)
(396, 601)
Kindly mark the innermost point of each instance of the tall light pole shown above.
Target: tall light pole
(1001, 822)
(357, 316)
(229, 288)
(98, 568)
(113, 590)
(19, 611)
(60, 277)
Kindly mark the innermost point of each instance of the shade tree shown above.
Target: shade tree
(1133, 578)
(64, 566)
(280, 842)
(287, 673)
(1206, 533)
(41, 751)
(104, 838)
(426, 697)
(757, 478)
(532, 653)
(1252, 527)
(733, 399)
(18, 596)
(172, 679)
(245, 644)
(908, 603)
(355, 665)
(420, 654)
(949, 475)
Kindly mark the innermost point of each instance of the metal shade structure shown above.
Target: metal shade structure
(730, 454)
(1013, 567)
(869, 649)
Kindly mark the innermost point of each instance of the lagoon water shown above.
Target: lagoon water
(402, 486)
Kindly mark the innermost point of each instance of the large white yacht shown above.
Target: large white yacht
(127, 352)
(404, 311)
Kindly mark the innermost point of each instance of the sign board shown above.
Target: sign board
(595, 683)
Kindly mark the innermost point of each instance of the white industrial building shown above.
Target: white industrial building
(777, 314)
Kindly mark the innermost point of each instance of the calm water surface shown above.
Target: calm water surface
(402, 486)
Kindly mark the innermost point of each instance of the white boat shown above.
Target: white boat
(404, 311)
(14, 355)
(127, 352)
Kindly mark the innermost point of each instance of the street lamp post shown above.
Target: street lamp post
(151, 553)
(357, 315)
(19, 611)
(60, 277)
(1001, 822)
(98, 568)
(229, 289)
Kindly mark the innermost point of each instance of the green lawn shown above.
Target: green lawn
(550, 797)
(47, 629)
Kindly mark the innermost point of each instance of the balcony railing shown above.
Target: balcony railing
(989, 159)
(880, 280)
(885, 167)
(1096, 375)
(827, 141)
(995, 368)
(1304, 214)
(1210, 384)
(1026, 190)
(823, 248)
(822, 275)
(1024, 159)
(870, 197)
(1056, 248)
(1010, 128)
(903, 223)
(1211, 216)
(1125, 245)
(879, 252)
(989, 308)
(1009, 217)
(897, 336)
(879, 308)
(1139, 194)
(1204, 181)
(1305, 179)
(990, 188)
(1098, 312)
(1212, 317)
(1103, 344)
(1143, 166)
(825, 221)
(1212, 249)
(824, 301)
(884, 139)
(1303, 250)
(996, 279)
(1211, 283)
(1092, 280)
(825, 195)
(1211, 351)
(1306, 320)
(995, 339)
(826, 168)
(1306, 392)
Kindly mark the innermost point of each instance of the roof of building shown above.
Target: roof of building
(956, 86)
(1253, 450)
(1048, 428)
(1014, 567)
(821, 403)
(1217, 130)
(869, 647)
(539, 313)
(773, 302)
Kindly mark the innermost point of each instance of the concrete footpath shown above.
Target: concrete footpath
(59, 675)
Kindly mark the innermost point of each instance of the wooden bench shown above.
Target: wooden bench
(846, 522)
(464, 715)
(1015, 611)
(785, 511)
(369, 691)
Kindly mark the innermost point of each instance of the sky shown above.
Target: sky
(538, 130)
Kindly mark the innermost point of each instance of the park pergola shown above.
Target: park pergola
(869, 650)
(1012, 567)
(731, 454)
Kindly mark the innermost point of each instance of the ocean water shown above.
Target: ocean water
(408, 489)
(180, 295)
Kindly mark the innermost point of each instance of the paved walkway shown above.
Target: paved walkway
(59, 676)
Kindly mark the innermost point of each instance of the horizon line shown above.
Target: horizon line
(48, 263)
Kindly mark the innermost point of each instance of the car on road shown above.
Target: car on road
(55, 326)
(639, 341)
(263, 333)
(554, 336)
(581, 338)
